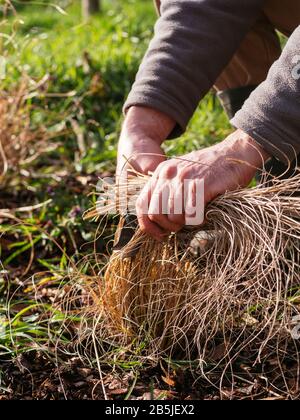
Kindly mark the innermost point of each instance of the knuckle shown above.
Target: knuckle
(183, 174)
(167, 170)
(170, 171)
(153, 217)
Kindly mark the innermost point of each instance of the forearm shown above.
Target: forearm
(143, 132)
(146, 123)
(271, 114)
(194, 41)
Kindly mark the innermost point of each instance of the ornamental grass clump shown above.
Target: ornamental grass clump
(229, 289)
(20, 142)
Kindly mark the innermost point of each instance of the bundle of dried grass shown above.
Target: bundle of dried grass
(19, 142)
(213, 295)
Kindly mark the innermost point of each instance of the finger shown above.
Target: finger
(142, 206)
(194, 202)
(150, 228)
(159, 207)
(176, 204)
(164, 223)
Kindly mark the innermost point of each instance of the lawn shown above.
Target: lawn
(76, 77)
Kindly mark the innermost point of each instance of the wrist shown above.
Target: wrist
(244, 145)
(146, 123)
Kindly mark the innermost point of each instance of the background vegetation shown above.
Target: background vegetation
(77, 75)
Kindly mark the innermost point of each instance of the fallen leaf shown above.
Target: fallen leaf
(168, 380)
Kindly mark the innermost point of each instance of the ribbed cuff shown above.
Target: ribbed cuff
(267, 136)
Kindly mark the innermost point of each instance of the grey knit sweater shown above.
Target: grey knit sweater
(194, 41)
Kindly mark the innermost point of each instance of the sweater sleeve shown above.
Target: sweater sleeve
(272, 113)
(194, 41)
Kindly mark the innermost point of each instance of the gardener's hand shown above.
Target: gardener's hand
(224, 167)
(143, 132)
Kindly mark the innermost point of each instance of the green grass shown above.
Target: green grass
(108, 48)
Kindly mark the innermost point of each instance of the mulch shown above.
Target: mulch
(34, 376)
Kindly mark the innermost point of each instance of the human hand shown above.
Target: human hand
(226, 166)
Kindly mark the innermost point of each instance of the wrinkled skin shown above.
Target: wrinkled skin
(224, 167)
